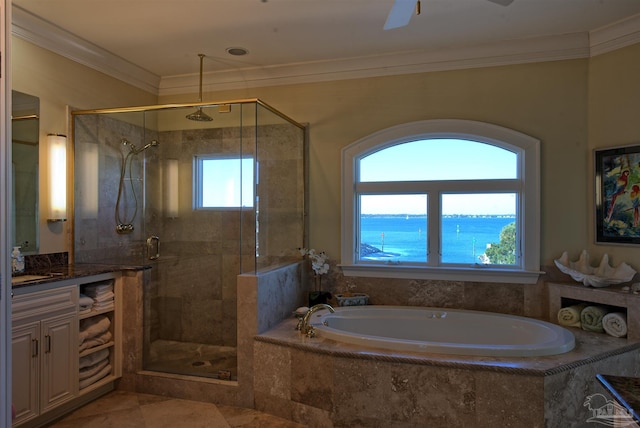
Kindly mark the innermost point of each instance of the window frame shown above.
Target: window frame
(198, 181)
(527, 185)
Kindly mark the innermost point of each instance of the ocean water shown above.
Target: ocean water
(404, 238)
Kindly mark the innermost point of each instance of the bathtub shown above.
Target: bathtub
(443, 331)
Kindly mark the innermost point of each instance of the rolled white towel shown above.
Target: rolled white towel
(615, 324)
(85, 301)
(570, 316)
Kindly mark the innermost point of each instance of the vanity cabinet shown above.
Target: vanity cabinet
(56, 364)
(44, 346)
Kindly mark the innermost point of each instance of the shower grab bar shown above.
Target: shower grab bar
(150, 245)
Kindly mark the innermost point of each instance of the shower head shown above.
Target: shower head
(199, 115)
(153, 143)
(132, 148)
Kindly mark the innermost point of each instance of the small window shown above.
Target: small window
(223, 182)
(433, 199)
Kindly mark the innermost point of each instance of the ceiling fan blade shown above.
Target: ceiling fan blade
(502, 2)
(400, 14)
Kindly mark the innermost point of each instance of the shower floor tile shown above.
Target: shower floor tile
(187, 358)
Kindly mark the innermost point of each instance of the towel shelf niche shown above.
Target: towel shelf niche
(97, 363)
(564, 294)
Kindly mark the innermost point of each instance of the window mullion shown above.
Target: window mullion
(433, 224)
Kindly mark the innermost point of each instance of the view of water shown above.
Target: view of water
(404, 238)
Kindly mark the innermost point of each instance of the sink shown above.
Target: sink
(27, 278)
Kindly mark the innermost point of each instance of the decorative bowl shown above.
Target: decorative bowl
(603, 275)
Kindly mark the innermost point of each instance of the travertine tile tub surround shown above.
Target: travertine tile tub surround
(264, 300)
(321, 383)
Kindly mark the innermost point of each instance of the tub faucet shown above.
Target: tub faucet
(307, 328)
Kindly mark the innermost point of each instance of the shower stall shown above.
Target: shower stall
(200, 202)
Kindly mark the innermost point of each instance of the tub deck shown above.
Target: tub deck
(321, 382)
(589, 347)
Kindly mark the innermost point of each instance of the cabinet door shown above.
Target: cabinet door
(59, 359)
(25, 370)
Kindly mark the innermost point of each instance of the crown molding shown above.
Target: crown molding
(552, 48)
(505, 53)
(615, 36)
(48, 36)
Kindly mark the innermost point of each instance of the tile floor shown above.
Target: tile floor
(121, 409)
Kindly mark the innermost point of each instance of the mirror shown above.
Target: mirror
(24, 138)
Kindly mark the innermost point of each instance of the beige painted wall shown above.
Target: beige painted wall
(59, 83)
(614, 120)
(545, 100)
(571, 106)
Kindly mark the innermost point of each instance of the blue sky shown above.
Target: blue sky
(449, 159)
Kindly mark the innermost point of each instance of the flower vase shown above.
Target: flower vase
(318, 296)
(352, 299)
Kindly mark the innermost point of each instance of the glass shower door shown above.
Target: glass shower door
(194, 251)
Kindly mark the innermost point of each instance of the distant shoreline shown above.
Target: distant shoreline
(444, 216)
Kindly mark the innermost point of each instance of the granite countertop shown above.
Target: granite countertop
(54, 273)
(626, 391)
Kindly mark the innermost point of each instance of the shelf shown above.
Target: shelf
(613, 296)
(105, 380)
(94, 313)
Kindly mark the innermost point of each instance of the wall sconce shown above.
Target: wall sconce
(57, 177)
(171, 195)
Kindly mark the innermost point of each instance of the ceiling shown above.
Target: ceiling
(154, 44)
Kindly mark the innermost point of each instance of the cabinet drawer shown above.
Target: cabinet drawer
(63, 299)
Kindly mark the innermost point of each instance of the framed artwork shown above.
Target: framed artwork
(618, 195)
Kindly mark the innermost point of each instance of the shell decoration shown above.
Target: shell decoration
(603, 275)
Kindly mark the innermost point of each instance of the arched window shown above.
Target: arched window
(442, 199)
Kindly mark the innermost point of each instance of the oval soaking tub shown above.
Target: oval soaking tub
(443, 331)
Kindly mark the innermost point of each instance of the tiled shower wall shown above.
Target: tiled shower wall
(191, 292)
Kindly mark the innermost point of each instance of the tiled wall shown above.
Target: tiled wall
(516, 299)
(335, 389)
(191, 294)
(264, 300)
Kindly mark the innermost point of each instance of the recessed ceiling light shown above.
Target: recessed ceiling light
(237, 51)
